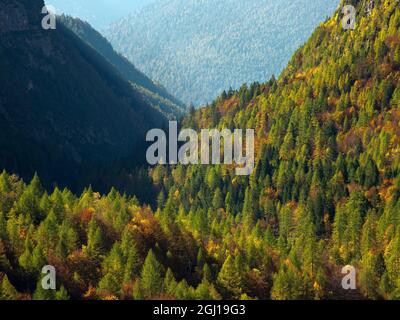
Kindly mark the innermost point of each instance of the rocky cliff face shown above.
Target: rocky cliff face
(21, 15)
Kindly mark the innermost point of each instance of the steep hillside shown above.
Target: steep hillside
(325, 193)
(199, 48)
(151, 93)
(326, 188)
(63, 107)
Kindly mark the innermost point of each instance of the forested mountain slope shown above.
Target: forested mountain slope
(326, 189)
(196, 48)
(64, 109)
(325, 193)
(152, 93)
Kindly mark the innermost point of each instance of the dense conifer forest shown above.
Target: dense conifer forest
(325, 193)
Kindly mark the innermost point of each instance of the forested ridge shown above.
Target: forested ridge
(65, 110)
(325, 193)
(153, 94)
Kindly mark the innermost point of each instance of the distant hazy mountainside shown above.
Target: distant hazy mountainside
(100, 13)
(63, 107)
(152, 93)
(199, 48)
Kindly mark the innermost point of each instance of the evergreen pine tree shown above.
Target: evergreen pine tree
(151, 276)
(229, 279)
(7, 290)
